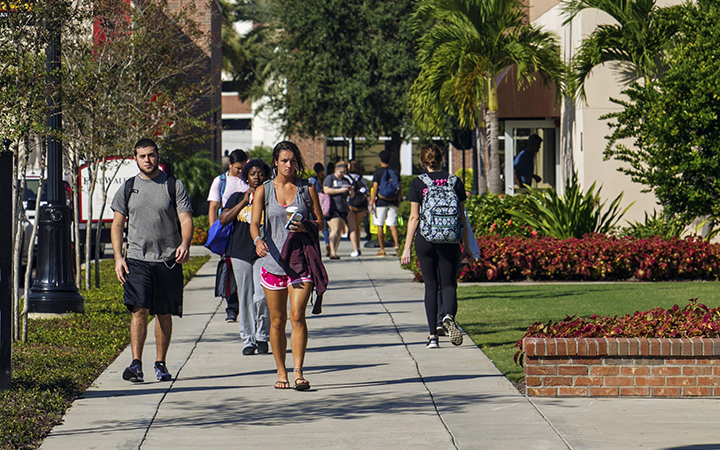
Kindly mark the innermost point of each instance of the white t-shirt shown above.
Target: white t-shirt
(233, 185)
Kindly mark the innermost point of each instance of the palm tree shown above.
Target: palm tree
(638, 39)
(467, 46)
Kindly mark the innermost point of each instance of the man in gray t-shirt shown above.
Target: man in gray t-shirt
(151, 273)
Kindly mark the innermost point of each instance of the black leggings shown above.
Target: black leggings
(442, 260)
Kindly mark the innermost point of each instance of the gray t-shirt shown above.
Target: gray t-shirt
(276, 217)
(153, 234)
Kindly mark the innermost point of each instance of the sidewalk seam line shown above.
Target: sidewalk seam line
(570, 447)
(417, 365)
(172, 383)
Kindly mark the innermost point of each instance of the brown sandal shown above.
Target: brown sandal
(301, 384)
(282, 384)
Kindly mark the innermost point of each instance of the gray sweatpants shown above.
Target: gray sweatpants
(253, 313)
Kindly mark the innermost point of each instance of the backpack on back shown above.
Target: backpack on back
(389, 185)
(440, 221)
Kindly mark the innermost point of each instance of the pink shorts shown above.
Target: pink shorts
(274, 282)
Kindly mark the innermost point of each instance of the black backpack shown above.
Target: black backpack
(359, 202)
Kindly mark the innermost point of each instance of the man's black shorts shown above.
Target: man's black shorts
(156, 286)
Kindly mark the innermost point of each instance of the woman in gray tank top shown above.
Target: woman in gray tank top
(288, 162)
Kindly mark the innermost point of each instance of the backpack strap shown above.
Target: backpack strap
(223, 185)
(425, 178)
(452, 180)
(269, 189)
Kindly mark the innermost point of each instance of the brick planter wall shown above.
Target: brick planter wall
(612, 367)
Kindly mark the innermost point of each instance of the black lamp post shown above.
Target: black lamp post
(7, 165)
(54, 290)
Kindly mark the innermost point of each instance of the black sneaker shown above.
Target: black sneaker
(249, 350)
(440, 330)
(161, 372)
(432, 342)
(231, 316)
(455, 334)
(262, 348)
(134, 372)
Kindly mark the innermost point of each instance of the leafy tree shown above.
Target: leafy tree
(468, 44)
(341, 67)
(674, 124)
(638, 40)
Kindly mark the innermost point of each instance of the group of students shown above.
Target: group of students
(276, 259)
(349, 200)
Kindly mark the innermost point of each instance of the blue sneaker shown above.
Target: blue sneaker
(161, 372)
(134, 372)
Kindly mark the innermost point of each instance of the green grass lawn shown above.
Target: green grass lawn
(497, 316)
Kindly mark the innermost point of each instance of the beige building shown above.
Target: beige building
(574, 137)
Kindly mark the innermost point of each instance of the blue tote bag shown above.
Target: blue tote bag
(219, 237)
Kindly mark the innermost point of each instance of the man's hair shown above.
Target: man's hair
(534, 139)
(238, 156)
(318, 167)
(145, 143)
(384, 156)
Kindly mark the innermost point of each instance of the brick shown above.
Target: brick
(604, 370)
(681, 381)
(644, 347)
(612, 346)
(633, 347)
(582, 346)
(697, 370)
(573, 391)
(619, 381)
(541, 392)
(649, 381)
(664, 347)
(603, 391)
(654, 347)
(557, 381)
(707, 347)
(623, 347)
(587, 361)
(550, 347)
(602, 346)
(588, 381)
(680, 361)
(708, 361)
(635, 371)
(572, 347)
(561, 347)
(572, 370)
(665, 370)
(697, 391)
(716, 370)
(619, 361)
(676, 347)
(529, 347)
(697, 346)
(687, 347)
(634, 391)
(708, 381)
(592, 347)
(540, 347)
(665, 392)
(541, 370)
(532, 381)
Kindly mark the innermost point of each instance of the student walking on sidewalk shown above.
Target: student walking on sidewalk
(437, 214)
(151, 274)
(285, 190)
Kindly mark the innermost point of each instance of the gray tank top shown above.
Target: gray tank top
(276, 217)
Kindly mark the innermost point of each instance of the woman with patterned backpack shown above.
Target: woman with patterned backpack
(437, 223)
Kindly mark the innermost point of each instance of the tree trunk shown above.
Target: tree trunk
(480, 158)
(76, 213)
(93, 170)
(393, 146)
(494, 172)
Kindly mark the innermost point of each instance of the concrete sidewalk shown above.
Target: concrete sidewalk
(374, 385)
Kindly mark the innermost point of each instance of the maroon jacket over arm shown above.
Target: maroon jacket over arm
(301, 254)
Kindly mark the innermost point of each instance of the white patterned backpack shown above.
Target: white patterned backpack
(440, 221)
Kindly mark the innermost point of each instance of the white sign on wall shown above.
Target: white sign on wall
(117, 171)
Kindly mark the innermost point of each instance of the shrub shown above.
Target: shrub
(665, 226)
(200, 233)
(490, 214)
(695, 320)
(573, 214)
(595, 257)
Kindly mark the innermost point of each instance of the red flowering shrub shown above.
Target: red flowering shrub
(200, 236)
(695, 320)
(594, 257)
